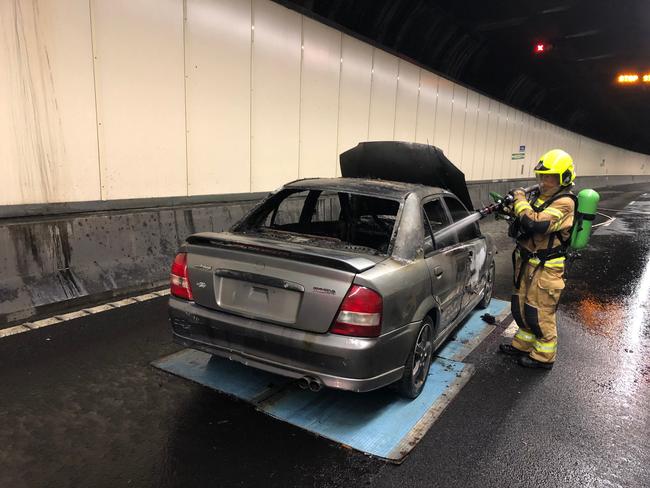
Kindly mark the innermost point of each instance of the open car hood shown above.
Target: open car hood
(408, 162)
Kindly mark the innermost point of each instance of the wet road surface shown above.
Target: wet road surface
(80, 405)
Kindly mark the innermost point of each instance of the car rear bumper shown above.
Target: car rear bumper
(347, 363)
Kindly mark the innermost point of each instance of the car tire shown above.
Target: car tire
(489, 286)
(418, 362)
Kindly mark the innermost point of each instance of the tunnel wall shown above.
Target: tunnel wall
(105, 101)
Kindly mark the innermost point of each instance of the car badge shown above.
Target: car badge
(324, 291)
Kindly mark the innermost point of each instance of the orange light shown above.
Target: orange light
(646, 78)
(628, 78)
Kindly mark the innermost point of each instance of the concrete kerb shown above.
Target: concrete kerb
(50, 263)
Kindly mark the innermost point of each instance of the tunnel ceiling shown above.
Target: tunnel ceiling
(489, 46)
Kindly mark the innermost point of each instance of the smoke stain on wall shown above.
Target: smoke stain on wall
(36, 117)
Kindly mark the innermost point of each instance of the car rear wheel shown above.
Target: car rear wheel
(489, 286)
(419, 361)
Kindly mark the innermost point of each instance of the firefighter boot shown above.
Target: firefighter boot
(511, 350)
(528, 362)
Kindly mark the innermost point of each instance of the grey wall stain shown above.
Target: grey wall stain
(37, 120)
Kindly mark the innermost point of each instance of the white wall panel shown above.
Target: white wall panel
(602, 156)
(518, 165)
(354, 94)
(595, 160)
(406, 111)
(526, 138)
(469, 137)
(611, 155)
(639, 164)
(275, 96)
(483, 113)
(553, 132)
(571, 144)
(319, 105)
(577, 160)
(628, 159)
(542, 142)
(140, 97)
(509, 166)
(48, 134)
(631, 163)
(458, 112)
(590, 158)
(531, 144)
(560, 137)
(491, 140)
(427, 107)
(442, 129)
(383, 96)
(499, 148)
(218, 53)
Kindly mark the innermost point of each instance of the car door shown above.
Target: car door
(443, 258)
(471, 245)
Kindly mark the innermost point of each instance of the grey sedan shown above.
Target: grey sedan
(348, 283)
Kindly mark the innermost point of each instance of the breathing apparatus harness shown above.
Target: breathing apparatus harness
(585, 208)
(543, 255)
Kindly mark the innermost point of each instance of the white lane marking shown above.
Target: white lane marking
(144, 298)
(18, 329)
(511, 330)
(72, 315)
(123, 303)
(57, 319)
(42, 323)
(99, 308)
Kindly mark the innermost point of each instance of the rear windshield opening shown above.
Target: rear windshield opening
(339, 220)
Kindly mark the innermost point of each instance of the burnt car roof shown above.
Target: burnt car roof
(381, 188)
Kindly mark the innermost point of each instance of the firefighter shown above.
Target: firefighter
(542, 229)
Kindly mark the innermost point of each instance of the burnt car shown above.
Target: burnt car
(350, 283)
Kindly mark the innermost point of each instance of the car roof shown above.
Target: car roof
(381, 188)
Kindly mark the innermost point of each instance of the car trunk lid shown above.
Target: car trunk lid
(284, 283)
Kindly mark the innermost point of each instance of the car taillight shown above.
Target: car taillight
(359, 314)
(180, 284)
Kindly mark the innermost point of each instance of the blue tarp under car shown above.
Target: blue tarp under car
(379, 423)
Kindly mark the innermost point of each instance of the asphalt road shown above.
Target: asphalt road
(81, 406)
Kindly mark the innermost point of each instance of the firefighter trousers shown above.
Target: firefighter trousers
(533, 308)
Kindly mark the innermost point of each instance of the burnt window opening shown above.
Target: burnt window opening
(341, 220)
(459, 212)
(436, 219)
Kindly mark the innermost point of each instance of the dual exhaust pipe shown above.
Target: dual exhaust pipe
(308, 382)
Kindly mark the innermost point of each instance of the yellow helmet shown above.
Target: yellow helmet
(557, 162)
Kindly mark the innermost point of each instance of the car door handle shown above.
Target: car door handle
(437, 271)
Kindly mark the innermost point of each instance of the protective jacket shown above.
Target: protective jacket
(545, 226)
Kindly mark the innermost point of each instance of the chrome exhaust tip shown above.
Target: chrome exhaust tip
(315, 385)
(303, 383)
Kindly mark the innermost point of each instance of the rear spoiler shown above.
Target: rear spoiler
(322, 257)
